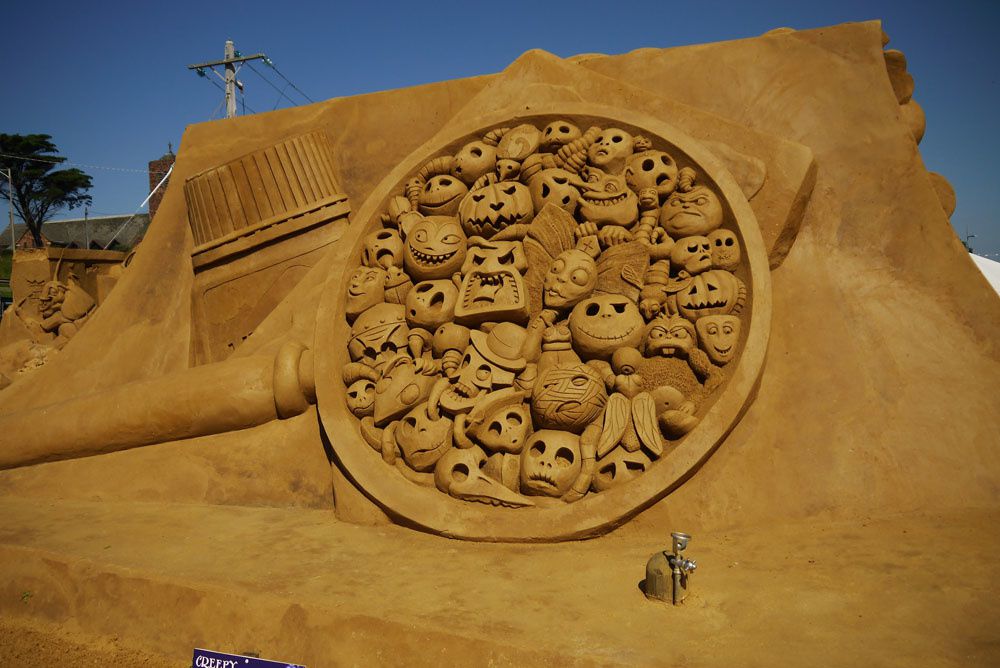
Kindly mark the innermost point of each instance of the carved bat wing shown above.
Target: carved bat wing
(615, 423)
(644, 418)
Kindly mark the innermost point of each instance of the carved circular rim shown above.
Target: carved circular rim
(430, 510)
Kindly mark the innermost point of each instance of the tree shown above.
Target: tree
(40, 190)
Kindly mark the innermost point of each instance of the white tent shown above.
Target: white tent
(990, 269)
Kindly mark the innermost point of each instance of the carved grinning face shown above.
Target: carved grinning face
(422, 439)
(361, 397)
(365, 289)
(691, 254)
(669, 337)
(603, 323)
(435, 248)
(550, 463)
(382, 248)
(440, 195)
(571, 277)
(554, 186)
(715, 292)
(557, 134)
(568, 397)
(610, 150)
(719, 335)
(607, 200)
(473, 160)
(430, 304)
(725, 249)
(486, 211)
(697, 212)
(651, 169)
(492, 285)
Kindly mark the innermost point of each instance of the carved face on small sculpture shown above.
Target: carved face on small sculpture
(501, 421)
(551, 463)
(618, 467)
(486, 211)
(554, 186)
(557, 134)
(607, 200)
(441, 195)
(686, 214)
(571, 277)
(423, 439)
(53, 296)
(399, 389)
(459, 474)
(383, 248)
(491, 362)
(361, 397)
(725, 249)
(651, 169)
(669, 337)
(603, 323)
(691, 254)
(380, 331)
(714, 292)
(492, 283)
(397, 285)
(473, 160)
(568, 397)
(610, 150)
(435, 248)
(430, 304)
(719, 335)
(365, 289)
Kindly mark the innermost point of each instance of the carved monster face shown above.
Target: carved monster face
(603, 323)
(486, 211)
(382, 248)
(568, 397)
(669, 337)
(430, 304)
(435, 248)
(554, 186)
(691, 254)
(361, 397)
(725, 249)
(365, 289)
(607, 200)
(719, 335)
(440, 195)
(492, 283)
(651, 169)
(697, 212)
(422, 439)
(550, 463)
(557, 134)
(715, 292)
(619, 467)
(473, 160)
(378, 332)
(571, 277)
(610, 150)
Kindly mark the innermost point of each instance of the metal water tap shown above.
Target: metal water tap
(667, 574)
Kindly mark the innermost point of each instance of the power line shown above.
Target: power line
(80, 164)
(245, 105)
(269, 83)
(269, 63)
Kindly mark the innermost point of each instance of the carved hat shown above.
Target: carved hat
(502, 346)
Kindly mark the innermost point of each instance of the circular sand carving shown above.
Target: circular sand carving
(543, 326)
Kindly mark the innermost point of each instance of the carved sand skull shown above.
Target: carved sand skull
(554, 186)
(423, 439)
(441, 195)
(696, 212)
(491, 362)
(435, 248)
(493, 285)
(473, 160)
(430, 304)
(557, 134)
(501, 421)
(607, 200)
(571, 278)
(618, 467)
(691, 254)
(603, 323)
(459, 474)
(718, 335)
(550, 463)
(568, 397)
(610, 150)
(361, 397)
(726, 252)
(365, 288)
(651, 169)
(382, 248)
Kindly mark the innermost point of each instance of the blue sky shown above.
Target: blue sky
(108, 80)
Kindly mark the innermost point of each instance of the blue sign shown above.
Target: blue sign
(204, 658)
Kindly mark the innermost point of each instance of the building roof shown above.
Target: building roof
(75, 232)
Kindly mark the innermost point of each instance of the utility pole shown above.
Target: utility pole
(232, 57)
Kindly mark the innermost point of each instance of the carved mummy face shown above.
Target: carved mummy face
(440, 195)
(473, 160)
(719, 335)
(554, 186)
(557, 134)
(714, 292)
(607, 200)
(430, 304)
(610, 150)
(669, 337)
(423, 440)
(697, 212)
(651, 169)
(603, 323)
(550, 463)
(691, 254)
(435, 248)
(365, 289)
(726, 252)
(382, 248)
(568, 397)
(619, 467)
(571, 277)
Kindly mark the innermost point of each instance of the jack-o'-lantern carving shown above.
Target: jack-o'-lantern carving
(550, 463)
(651, 169)
(494, 207)
(474, 160)
(726, 252)
(554, 186)
(441, 195)
(603, 323)
(691, 213)
(607, 200)
(435, 248)
(718, 336)
(430, 304)
(714, 292)
(610, 150)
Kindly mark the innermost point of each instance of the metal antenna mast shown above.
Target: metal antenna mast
(229, 62)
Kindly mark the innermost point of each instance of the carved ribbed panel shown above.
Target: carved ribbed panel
(260, 188)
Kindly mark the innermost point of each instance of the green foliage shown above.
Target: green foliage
(39, 188)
